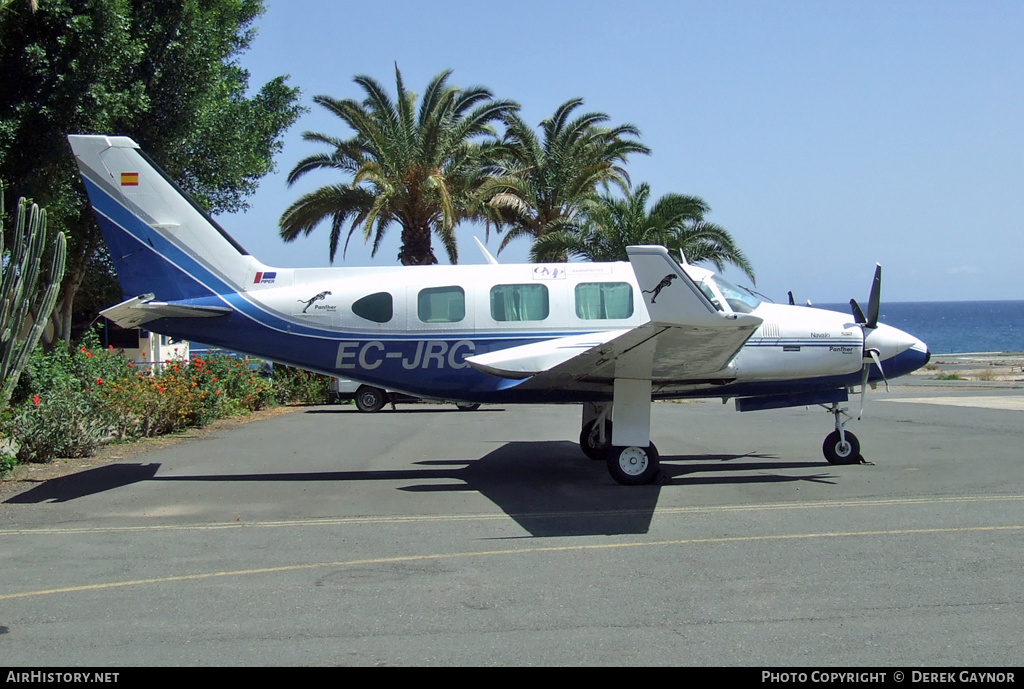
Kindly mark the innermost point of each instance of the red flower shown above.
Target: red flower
(36, 399)
(99, 381)
(88, 354)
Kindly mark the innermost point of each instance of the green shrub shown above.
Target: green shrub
(59, 409)
(65, 423)
(296, 385)
(73, 398)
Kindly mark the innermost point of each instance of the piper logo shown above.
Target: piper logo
(264, 278)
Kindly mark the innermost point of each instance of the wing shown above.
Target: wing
(686, 341)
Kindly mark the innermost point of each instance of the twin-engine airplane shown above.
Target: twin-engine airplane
(611, 336)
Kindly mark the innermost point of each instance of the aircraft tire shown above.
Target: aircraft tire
(836, 452)
(633, 466)
(589, 442)
(462, 406)
(370, 399)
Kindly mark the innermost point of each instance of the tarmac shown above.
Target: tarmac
(428, 536)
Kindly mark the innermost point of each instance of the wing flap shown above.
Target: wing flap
(528, 360)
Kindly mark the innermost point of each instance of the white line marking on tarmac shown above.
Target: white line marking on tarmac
(516, 551)
(1006, 402)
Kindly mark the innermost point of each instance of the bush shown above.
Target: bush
(66, 423)
(72, 399)
(60, 410)
(296, 385)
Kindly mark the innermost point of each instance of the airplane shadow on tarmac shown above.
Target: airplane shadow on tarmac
(548, 487)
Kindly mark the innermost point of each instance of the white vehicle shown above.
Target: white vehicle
(609, 336)
(372, 399)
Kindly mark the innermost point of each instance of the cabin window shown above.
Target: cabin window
(604, 300)
(442, 305)
(379, 307)
(519, 302)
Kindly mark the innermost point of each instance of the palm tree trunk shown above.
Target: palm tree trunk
(416, 247)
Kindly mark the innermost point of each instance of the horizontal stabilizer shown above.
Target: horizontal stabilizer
(135, 312)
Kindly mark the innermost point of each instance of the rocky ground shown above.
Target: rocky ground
(980, 367)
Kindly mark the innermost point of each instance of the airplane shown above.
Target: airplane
(612, 337)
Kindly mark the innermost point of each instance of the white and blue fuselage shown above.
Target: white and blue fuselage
(484, 333)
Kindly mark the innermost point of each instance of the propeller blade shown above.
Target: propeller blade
(875, 298)
(858, 315)
(863, 388)
(792, 302)
(873, 353)
(878, 363)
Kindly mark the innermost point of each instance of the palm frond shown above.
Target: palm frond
(425, 171)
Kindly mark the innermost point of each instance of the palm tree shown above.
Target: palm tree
(676, 222)
(419, 170)
(544, 182)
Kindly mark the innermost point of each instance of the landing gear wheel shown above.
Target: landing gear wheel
(370, 399)
(465, 406)
(633, 466)
(838, 452)
(590, 440)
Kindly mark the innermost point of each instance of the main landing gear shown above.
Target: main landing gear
(633, 466)
(631, 457)
(841, 446)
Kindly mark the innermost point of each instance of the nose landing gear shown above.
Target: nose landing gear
(841, 446)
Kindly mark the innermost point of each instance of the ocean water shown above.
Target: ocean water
(950, 327)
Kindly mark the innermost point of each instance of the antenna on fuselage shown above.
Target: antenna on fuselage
(487, 254)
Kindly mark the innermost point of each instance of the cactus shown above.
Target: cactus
(20, 290)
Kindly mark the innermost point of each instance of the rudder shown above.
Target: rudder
(160, 241)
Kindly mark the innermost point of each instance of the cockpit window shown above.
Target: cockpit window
(739, 300)
(712, 297)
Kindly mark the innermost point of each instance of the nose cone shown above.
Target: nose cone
(900, 352)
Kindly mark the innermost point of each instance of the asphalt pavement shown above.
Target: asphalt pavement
(429, 536)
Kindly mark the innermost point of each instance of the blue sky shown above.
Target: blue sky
(825, 136)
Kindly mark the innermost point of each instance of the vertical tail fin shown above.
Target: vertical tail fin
(160, 241)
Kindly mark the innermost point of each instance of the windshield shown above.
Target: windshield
(740, 300)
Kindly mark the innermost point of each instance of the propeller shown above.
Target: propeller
(870, 322)
(792, 301)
